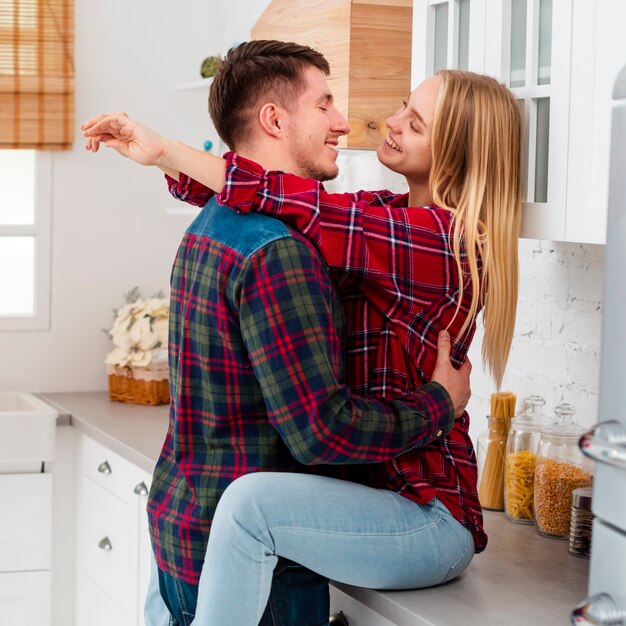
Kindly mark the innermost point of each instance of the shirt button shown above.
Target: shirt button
(439, 432)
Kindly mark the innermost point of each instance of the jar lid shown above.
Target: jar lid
(581, 498)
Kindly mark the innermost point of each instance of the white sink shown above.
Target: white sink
(27, 430)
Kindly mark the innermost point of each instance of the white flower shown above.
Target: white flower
(158, 308)
(139, 332)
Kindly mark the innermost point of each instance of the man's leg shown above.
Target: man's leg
(155, 611)
(344, 531)
(298, 597)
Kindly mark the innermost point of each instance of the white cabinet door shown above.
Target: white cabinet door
(598, 54)
(113, 548)
(560, 58)
(26, 523)
(97, 608)
(25, 599)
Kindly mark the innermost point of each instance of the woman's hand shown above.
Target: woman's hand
(128, 137)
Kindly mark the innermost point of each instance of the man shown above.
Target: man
(256, 329)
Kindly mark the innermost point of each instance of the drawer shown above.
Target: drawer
(25, 599)
(356, 614)
(26, 522)
(97, 608)
(110, 548)
(110, 470)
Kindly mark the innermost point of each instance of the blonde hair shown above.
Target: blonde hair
(476, 173)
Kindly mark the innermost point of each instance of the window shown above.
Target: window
(451, 40)
(530, 78)
(24, 239)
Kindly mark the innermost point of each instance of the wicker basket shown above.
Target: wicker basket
(138, 385)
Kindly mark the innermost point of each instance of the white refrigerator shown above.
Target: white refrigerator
(606, 443)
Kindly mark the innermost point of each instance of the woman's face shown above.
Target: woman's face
(407, 148)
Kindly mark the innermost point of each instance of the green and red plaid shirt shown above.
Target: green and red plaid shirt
(257, 378)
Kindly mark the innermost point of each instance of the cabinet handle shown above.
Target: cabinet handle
(104, 468)
(338, 619)
(141, 489)
(105, 544)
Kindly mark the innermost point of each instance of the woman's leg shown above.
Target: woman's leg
(345, 531)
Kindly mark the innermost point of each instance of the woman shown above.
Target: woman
(407, 266)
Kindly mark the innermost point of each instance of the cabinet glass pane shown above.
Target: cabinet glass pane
(545, 42)
(17, 275)
(441, 36)
(463, 34)
(518, 43)
(541, 149)
(17, 187)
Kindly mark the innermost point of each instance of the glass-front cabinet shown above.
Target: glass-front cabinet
(560, 58)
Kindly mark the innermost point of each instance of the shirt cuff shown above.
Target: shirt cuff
(243, 179)
(438, 405)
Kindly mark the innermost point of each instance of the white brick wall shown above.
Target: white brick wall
(556, 347)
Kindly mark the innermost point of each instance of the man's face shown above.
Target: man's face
(314, 128)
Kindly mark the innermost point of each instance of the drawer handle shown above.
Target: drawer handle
(141, 489)
(338, 619)
(104, 468)
(105, 544)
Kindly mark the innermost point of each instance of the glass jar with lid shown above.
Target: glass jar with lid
(560, 468)
(519, 467)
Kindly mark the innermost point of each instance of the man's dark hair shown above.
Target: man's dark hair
(252, 74)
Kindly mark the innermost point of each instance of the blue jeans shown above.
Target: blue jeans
(298, 597)
(342, 530)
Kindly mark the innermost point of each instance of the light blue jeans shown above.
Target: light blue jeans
(342, 530)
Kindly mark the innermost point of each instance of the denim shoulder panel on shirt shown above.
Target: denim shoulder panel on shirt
(244, 233)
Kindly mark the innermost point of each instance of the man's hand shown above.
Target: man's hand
(456, 382)
(126, 136)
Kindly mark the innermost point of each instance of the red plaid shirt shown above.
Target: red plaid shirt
(399, 285)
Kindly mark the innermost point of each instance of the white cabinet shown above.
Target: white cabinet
(25, 549)
(113, 549)
(25, 598)
(355, 613)
(560, 58)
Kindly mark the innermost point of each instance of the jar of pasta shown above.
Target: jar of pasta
(560, 468)
(519, 466)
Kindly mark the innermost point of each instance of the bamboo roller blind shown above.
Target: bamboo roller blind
(36, 74)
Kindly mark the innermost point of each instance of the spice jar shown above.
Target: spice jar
(581, 522)
(560, 468)
(519, 465)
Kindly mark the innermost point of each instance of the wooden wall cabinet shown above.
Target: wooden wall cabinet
(368, 46)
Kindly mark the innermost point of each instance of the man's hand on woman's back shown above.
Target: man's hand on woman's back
(456, 382)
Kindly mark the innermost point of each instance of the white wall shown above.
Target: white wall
(111, 230)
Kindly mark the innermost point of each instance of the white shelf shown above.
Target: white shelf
(195, 85)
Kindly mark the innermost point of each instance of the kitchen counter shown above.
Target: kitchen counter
(136, 432)
(522, 579)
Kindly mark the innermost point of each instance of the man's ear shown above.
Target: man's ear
(272, 119)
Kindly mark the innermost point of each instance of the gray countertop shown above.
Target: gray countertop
(522, 579)
(136, 432)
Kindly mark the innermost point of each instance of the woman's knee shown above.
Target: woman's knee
(242, 501)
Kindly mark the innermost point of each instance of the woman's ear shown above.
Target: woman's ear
(272, 119)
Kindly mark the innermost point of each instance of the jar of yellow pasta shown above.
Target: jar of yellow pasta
(519, 463)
